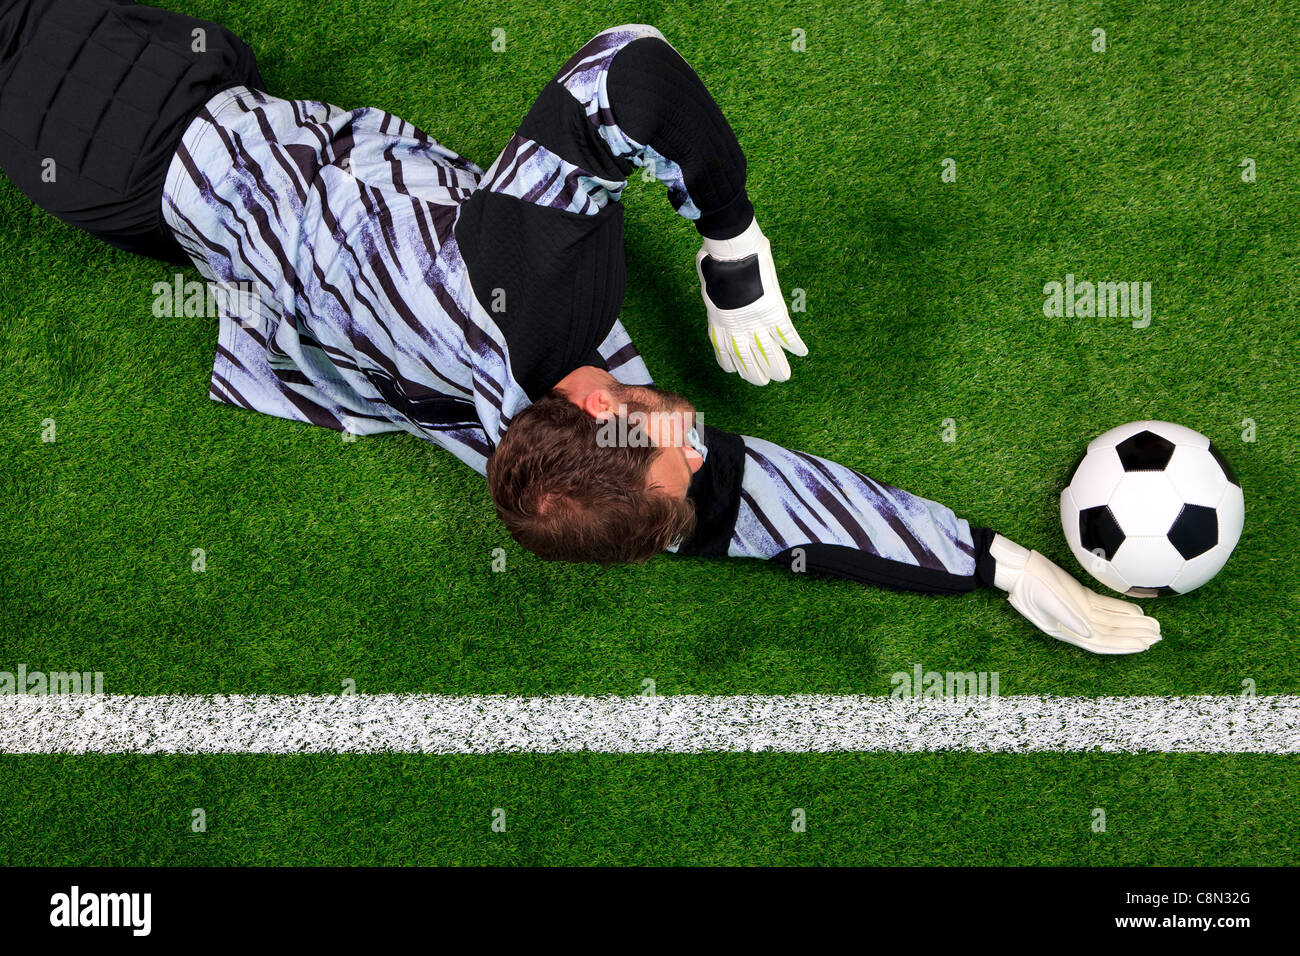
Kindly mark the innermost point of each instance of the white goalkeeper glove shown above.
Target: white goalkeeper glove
(1061, 607)
(749, 324)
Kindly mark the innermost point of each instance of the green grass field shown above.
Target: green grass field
(371, 561)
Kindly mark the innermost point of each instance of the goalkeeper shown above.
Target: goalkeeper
(399, 287)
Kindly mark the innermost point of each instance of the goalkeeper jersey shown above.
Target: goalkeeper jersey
(374, 280)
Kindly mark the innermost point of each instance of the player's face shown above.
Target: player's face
(668, 418)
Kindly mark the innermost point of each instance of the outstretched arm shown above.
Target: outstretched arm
(811, 515)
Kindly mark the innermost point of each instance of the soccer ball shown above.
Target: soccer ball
(1152, 508)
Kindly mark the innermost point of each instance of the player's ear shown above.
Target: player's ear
(600, 404)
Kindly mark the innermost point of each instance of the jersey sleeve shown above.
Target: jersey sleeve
(542, 236)
(808, 514)
(626, 100)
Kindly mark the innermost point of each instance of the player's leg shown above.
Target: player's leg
(94, 98)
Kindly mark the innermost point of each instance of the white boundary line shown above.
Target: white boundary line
(421, 723)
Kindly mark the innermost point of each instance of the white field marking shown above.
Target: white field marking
(420, 723)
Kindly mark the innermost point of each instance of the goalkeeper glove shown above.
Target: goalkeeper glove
(749, 324)
(1062, 608)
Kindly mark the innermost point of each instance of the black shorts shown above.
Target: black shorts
(94, 98)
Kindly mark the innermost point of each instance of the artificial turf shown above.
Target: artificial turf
(372, 561)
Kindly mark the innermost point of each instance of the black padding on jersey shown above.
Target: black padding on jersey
(732, 283)
(715, 489)
(558, 122)
(562, 278)
(840, 561)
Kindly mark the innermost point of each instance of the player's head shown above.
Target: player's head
(597, 471)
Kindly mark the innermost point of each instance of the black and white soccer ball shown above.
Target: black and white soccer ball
(1152, 508)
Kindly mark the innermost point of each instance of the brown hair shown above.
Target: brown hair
(564, 497)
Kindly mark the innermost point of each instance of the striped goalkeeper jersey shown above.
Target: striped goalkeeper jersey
(345, 224)
(364, 318)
